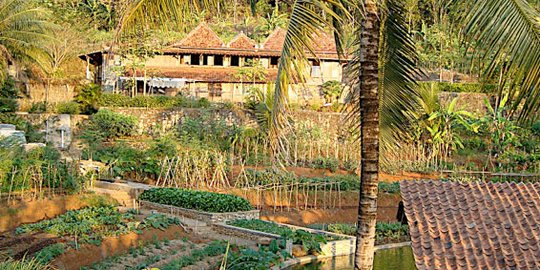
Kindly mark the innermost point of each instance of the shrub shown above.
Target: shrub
(38, 107)
(197, 200)
(88, 97)
(8, 105)
(113, 125)
(69, 107)
(203, 103)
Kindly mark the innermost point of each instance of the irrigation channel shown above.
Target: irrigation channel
(387, 259)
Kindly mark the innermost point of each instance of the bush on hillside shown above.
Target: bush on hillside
(113, 125)
(69, 107)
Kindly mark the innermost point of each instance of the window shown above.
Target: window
(195, 60)
(235, 61)
(218, 60)
(205, 60)
(274, 61)
(315, 68)
(214, 89)
(248, 60)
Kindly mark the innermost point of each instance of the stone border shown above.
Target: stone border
(344, 245)
(207, 217)
(312, 258)
(249, 234)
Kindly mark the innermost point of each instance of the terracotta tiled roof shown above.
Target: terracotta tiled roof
(274, 42)
(241, 41)
(201, 37)
(204, 74)
(473, 225)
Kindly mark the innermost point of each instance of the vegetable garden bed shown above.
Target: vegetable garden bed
(305, 240)
(200, 205)
(80, 237)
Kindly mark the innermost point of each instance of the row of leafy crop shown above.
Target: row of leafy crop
(384, 232)
(346, 182)
(92, 224)
(310, 242)
(197, 200)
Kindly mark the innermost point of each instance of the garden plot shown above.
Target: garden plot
(304, 241)
(82, 237)
(186, 253)
(200, 205)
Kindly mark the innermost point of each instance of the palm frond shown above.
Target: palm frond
(509, 32)
(23, 30)
(308, 17)
(398, 90)
(158, 13)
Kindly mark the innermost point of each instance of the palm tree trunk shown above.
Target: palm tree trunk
(369, 137)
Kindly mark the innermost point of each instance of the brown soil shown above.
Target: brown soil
(386, 212)
(88, 254)
(311, 172)
(18, 246)
(22, 211)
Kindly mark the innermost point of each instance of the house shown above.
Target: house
(457, 225)
(202, 65)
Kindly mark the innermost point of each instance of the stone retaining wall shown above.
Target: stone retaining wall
(199, 215)
(344, 245)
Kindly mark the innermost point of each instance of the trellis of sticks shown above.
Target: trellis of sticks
(294, 195)
(205, 169)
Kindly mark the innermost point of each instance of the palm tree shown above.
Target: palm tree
(22, 31)
(382, 71)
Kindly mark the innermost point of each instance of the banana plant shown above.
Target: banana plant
(442, 125)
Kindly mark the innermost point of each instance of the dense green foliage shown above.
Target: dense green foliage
(309, 241)
(88, 97)
(384, 232)
(111, 125)
(119, 100)
(8, 95)
(69, 107)
(197, 200)
(91, 224)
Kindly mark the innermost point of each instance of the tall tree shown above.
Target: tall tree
(369, 134)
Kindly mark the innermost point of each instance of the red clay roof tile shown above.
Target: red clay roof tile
(241, 41)
(473, 225)
(201, 37)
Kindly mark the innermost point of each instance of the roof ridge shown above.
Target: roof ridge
(196, 30)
